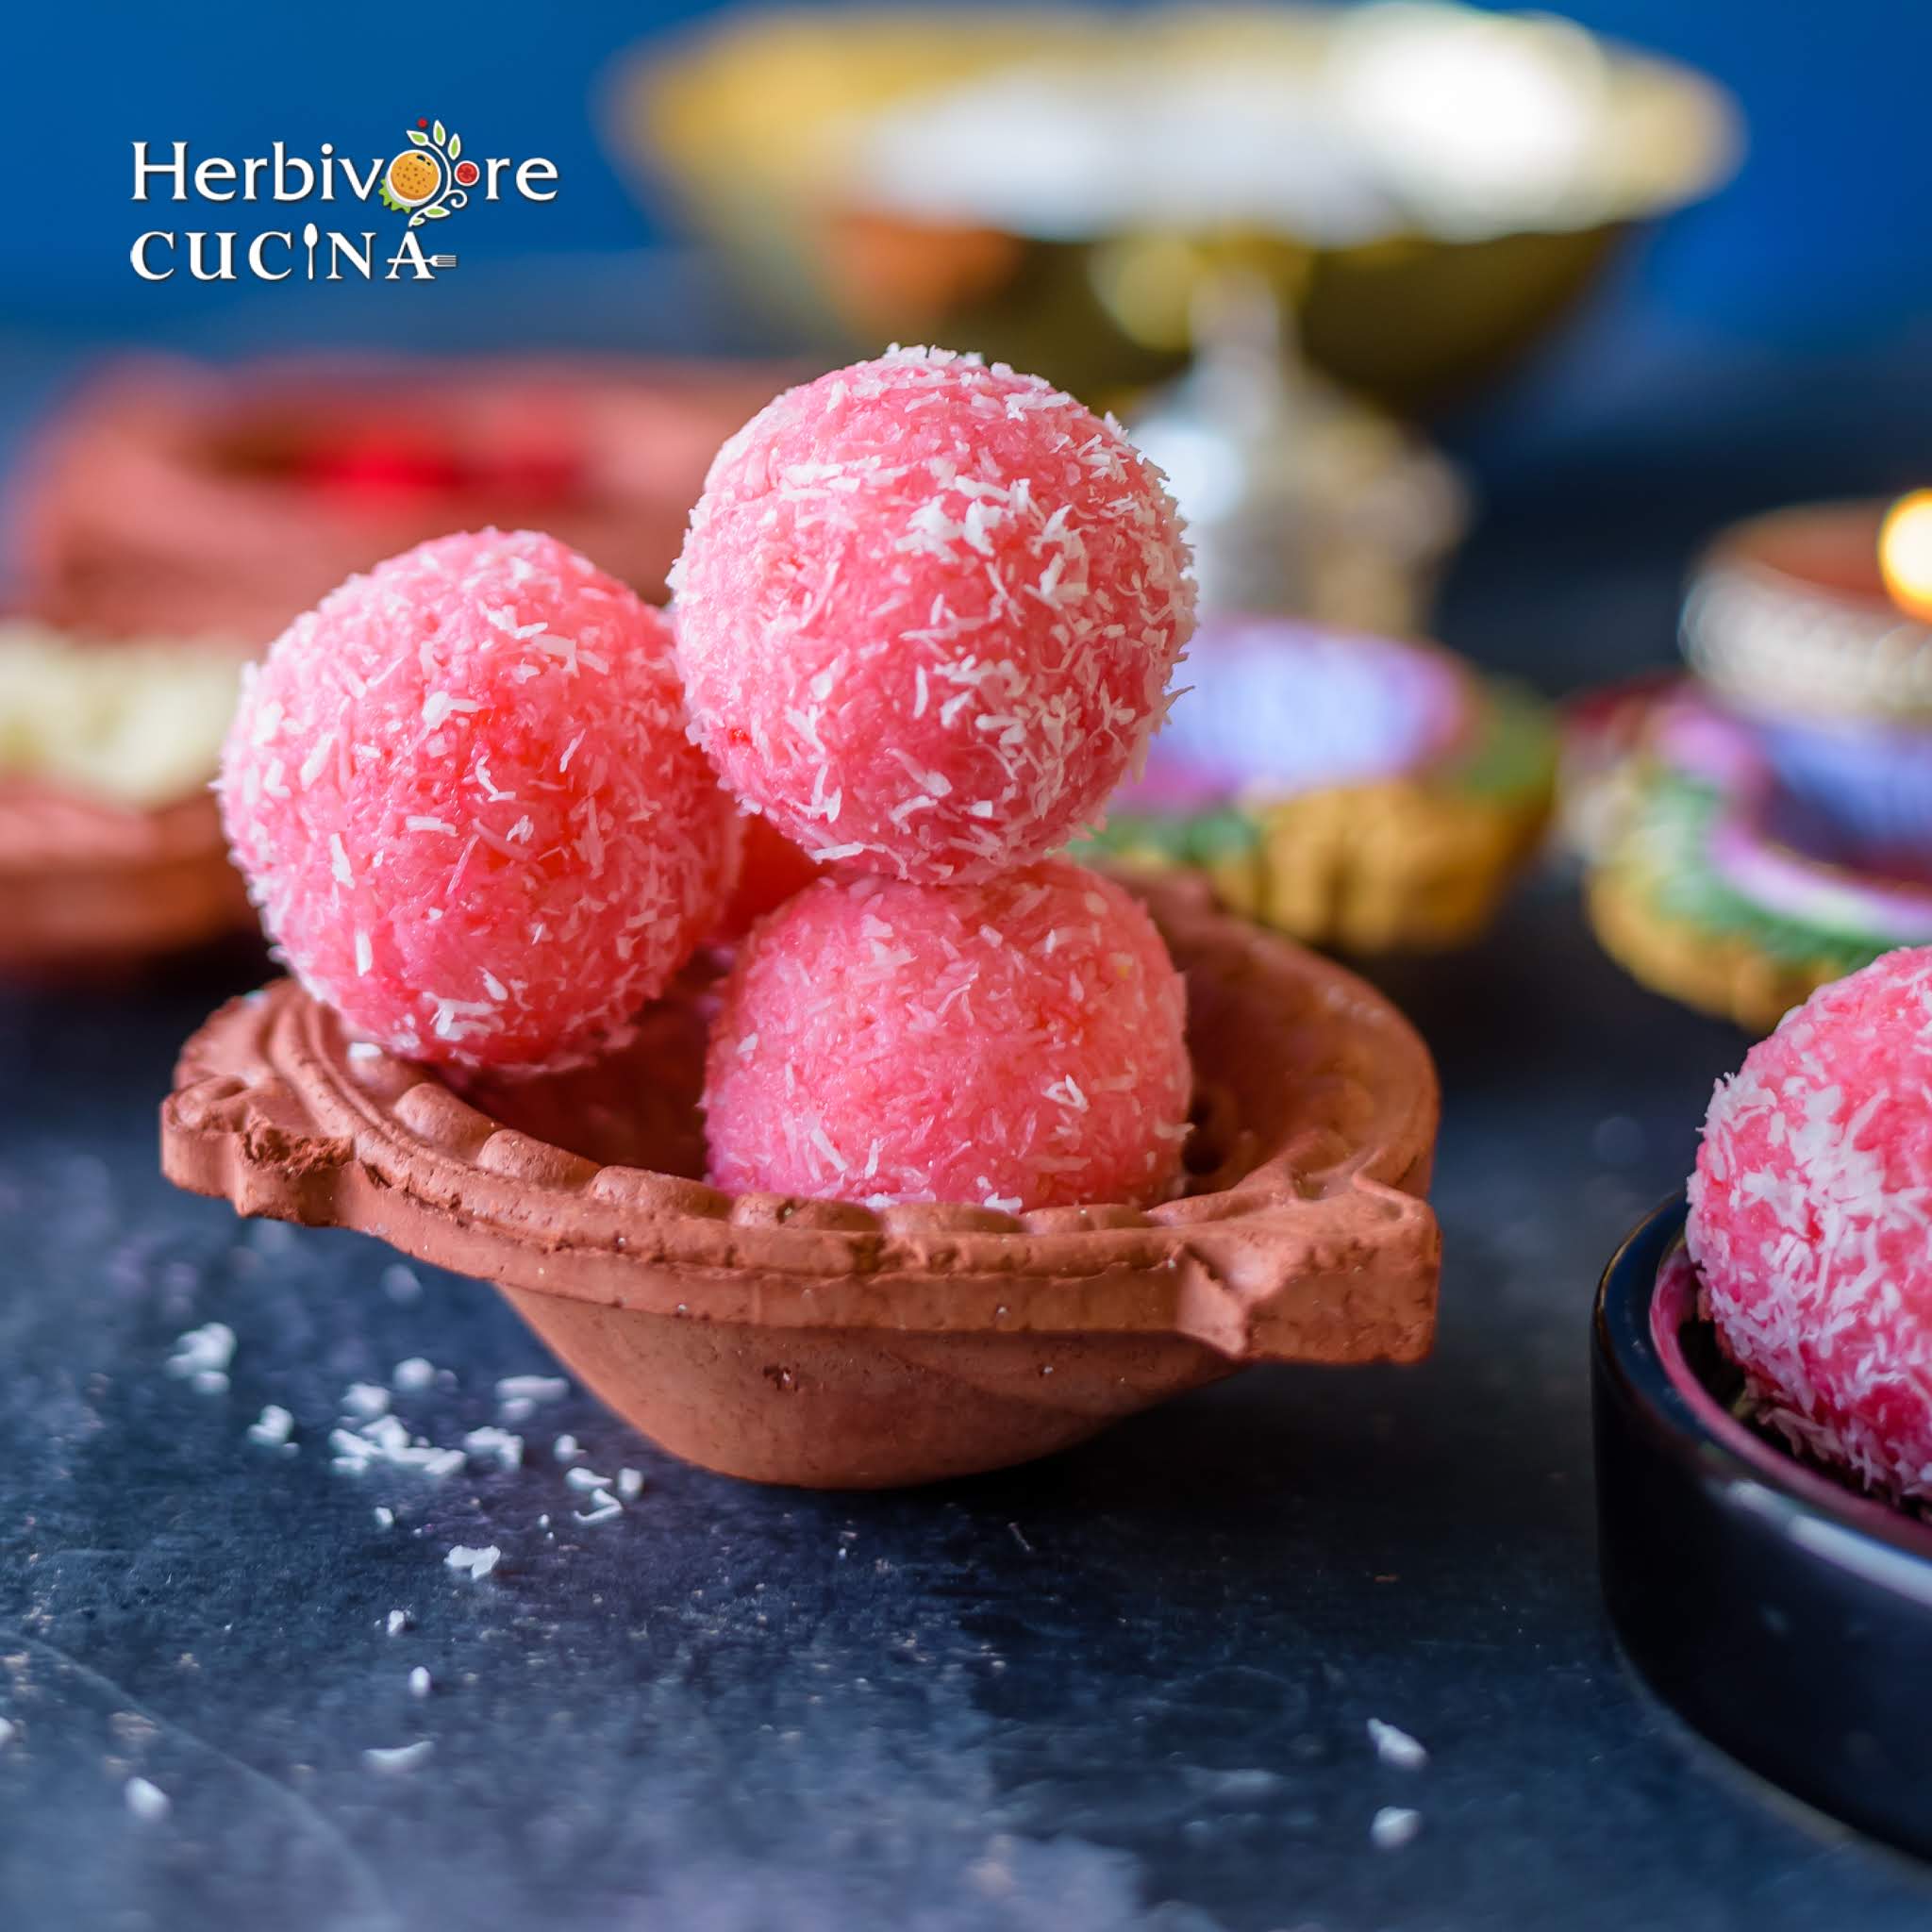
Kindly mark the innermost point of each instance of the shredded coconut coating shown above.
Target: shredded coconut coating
(1017, 1044)
(466, 802)
(927, 611)
(1811, 1222)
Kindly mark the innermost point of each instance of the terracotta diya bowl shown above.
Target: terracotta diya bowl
(91, 885)
(1781, 1613)
(174, 496)
(112, 850)
(830, 1344)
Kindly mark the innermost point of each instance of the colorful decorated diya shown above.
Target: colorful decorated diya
(1356, 791)
(112, 850)
(1772, 829)
(173, 497)
(835, 1345)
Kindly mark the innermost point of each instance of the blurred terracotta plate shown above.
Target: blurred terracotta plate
(176, 497)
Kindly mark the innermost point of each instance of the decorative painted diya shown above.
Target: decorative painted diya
(1773, 830)
(1356, 791)
(832, 1344)
(175, 497)
(112, 850)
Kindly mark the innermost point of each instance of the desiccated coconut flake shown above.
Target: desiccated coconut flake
(398, 1757)
(532, 1388)
(273, 1427)
(474, 1563)
(1394, 1827)
(204, 1351)
(148, 1802)
(1395, 1747)
(419, 1684)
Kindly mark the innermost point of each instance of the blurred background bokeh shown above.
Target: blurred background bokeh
(1494, 321)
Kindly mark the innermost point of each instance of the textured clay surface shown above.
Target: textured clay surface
(836, 1345)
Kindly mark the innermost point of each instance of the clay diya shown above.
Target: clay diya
(173, 496)
(828, 1344)
(1356, 791)
(1769, 825)
(112, 851)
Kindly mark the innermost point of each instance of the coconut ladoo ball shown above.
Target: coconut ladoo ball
(465, 800)
(1015, 1044)
(926, 613)
(1811, 1222)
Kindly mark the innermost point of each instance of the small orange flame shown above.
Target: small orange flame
(1905, 553)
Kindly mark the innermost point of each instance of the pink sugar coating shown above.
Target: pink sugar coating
(464, 796)
(1016, 1043)
(926, 613)
(1812, 1222)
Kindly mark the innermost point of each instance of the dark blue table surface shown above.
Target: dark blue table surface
(1126, 1688)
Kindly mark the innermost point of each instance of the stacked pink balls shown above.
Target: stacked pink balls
(926, 614)
(925, 619)
(1811, 1222)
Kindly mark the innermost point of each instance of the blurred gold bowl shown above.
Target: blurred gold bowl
(767, 132)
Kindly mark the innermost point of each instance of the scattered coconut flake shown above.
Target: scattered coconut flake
(398, 1622)
(565, 1449)
(630, 1483)
(400, 1284)
(586, 1479)
(148, 1802)
(413, 1374)
(8, 1728)
(1395, 1747)
(492, 1441)
(385, 1516)
(398, 1757)
(1394, 1827)
(517, 1409)
(365, 1401)
(203, 1351)
(532, 1389)
(419, 1682)
(476, 1563)
(273, 1427)
(604, 1506)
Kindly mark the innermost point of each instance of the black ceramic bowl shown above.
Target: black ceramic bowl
(1785, 1616)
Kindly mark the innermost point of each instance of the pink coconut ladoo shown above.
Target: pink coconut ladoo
(926, 613)
(1811, 1222)
(1017, 1044)
(465, 800)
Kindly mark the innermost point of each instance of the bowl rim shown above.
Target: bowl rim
(1325, 1249)
(1648, 1281)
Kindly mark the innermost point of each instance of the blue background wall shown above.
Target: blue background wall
(1823, 244)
